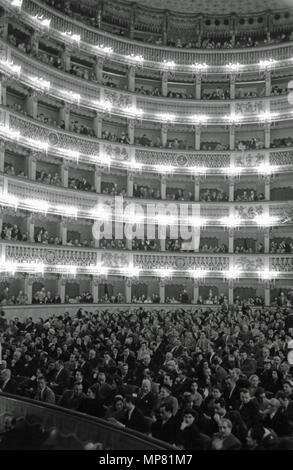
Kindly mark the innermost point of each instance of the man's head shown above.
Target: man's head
(77, 389)
(283, 399)
(225, 427)
(42, 382)
(146, 386)
(245, 396)
(165, 411)
(287, 387)
(6, 375)
(188, 417)
(129, 402)
(220, 407)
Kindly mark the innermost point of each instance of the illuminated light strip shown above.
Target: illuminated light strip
(105, 49)
(41, 83)
(70, 35)
(43, 21)
(16, 3)
(10, 66)
(132, 271)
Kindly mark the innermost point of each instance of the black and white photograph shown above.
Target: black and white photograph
(146, 229)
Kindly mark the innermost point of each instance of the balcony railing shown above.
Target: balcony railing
(31, 258)
(35, 135)
(154, 56)
(76, 429)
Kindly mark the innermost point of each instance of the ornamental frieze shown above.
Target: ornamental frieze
(116, 152)
(248, 212)
(281, 158)
(27, 254)
(281, 264)
(118, 100)
(249, 107)
(249, 159)
(182, 159)
(248, 263)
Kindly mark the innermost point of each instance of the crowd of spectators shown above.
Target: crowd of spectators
(248, 195)
(216, 248)
(256, 247)
(42, 236)
(201, 379)
(282, 142)
(44, 296)
(112, 189)
(282, 246)
(80, 183)
(12, 232)
(213, 195)
(44, 177)
(9, 170)
(145, 192)
(253, 144)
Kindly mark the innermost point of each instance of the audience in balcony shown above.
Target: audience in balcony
(255, 247)
(45, 297)
(145, 192)
(253, 144)
(213, 146)
(44, 177)
(248, 195)
(112, 189)
(217, 94)
(80, 184)
(213, 195)
(217, 248)
(281, 246)
(282, 142)
(145, 245)
(9, 170)
(113, 244)
(12, 232)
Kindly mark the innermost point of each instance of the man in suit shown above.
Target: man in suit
(61, 379)
(165, 427)
(146, 399)
(249, 408)
(44, 393)
(133, 417)
(276, 419)
(8, 385)
(224, 439)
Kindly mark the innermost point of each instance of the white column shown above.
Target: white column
(268, 83)
(31, 104)
(232, 86)
(232, 137)
(231, 188)
(131, 78)
(196, 188)
(130, 184)
(95, 289)
(197, 137)
(28, 288)
(231, 240)
(3, 91)
(61, 286)
(1, 222)
(164, 134)
(231, 291)
(2, 155)
(63, 231)
(130, 130)
(30, 228)
(163, 244)
(267, 240)
(165, 76)
(34, 42)
(99, 64)
(267, 135)
(198, 86)
(66, 57)
(64, 115)
(267, 187)
(64, 174)
(98, 179)
(195, 285)
(162, 291)
(98, 125)
(267, 289)
(32, 165)
(128, 285)
(163, 187)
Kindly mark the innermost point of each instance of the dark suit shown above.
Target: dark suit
(136, 420)
(146, 404)
(62, 379)
(9, 387)
(47, 395)
(279, 423)
(228, 443)
(165, 431)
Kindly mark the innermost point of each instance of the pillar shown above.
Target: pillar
(231, 188)
(34, 43)
(61, 286)
(95, 289)
(163, 244)
(3, 91)
(131, 78)
(130, 130)
(165, 27)
(165, 76)
(98, 180)
(63, 231)
(197, 138)
(231, 240)
(30, 228)
(130, 184)
(231, 291)
(232, 86)
(31, 104)
(164, 135)
(267, 239)
(66, 58)
(32, 165)
(98, 125)
(267, 135)
(196, 180)
(2, 155)
(4, 21)
(267, 295)
(162, 291)
(64, 175)
(267, 187)
(232, 137)
(99, 65)
(128, 285)
(132, 20)
(163, 186)
(28, 288)
(198, 80)
(195, 285)
(268, 83)
(64, 115)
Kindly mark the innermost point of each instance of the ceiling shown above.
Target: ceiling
(222, 7)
